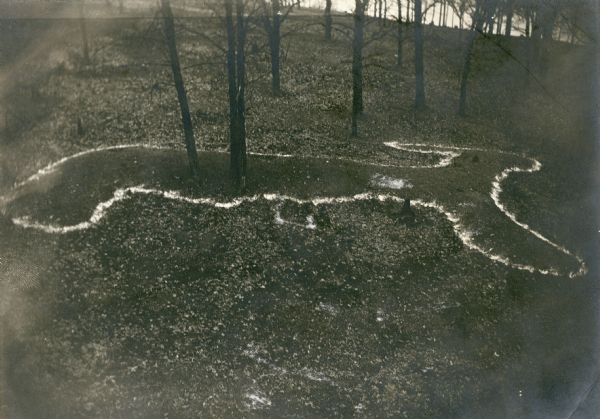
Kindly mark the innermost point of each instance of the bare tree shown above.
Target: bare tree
(328, 20)
(399, 34)
(483, 11)
(272, 20)
(509, 17)
(548, 13)
(236, 76)
(357, 62)
(190, 143)
(385, 9)
(461, 9)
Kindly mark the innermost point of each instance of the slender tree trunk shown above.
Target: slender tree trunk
(419, 66)
(464, 79)
(399, 34)
(489, 15)
(407, 11)
(531, 58)
(275, 47)
(236, 75)
(328, 20)
(357, 64)
(234, 154)
(241, 99)
(385, 7)
(560, 32)
(527, 23)
(548, 16)
(84, 35)
(186, 119)
(443, 13)
(499, 25)
(462, 104)
(490, 25)
(536, 41)
(445, 23)
(509, 18)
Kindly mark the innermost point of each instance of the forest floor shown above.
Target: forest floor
(171, 306)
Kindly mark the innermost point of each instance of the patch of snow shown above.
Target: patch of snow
(446, 155)
(256, 400)
(253, 352)
(383, 181)
(316, 376)
(279, 220)
(310, 222)
(328, 308)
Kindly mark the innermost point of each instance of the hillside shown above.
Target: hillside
(310, 295)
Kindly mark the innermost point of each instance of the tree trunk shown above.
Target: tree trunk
(399, 34)
(480, 18)
(357, 64)
(536, 41)
(548, 15)
(462, 104)
(419, 66)
(407, 11)
(186, 119)
(234, 166)
(445, 23)
(499, 25)
(490, 25)
(560, 32)
(385, 7)
(328, 20)
(509, 18)
(275, 47)
(241, 96)
(236, 76)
